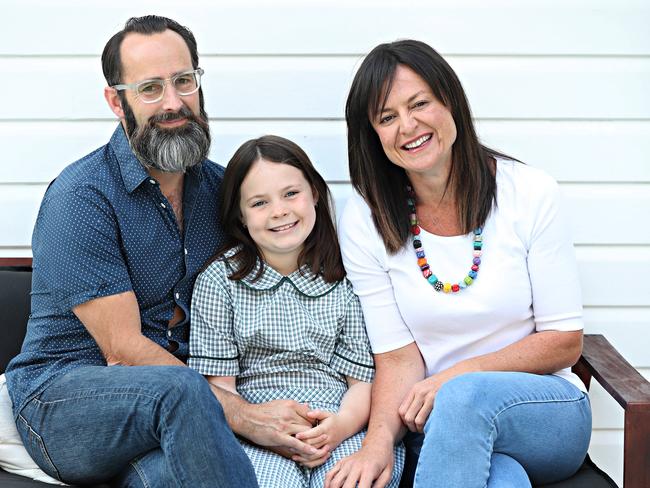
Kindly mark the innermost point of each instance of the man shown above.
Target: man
(100, 390)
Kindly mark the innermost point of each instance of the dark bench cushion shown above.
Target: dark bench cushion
(15, 285)
(8, 480)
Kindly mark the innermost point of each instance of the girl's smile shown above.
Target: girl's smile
(277, 206)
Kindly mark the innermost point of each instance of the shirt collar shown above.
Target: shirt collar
(133, 173)
(306, 283)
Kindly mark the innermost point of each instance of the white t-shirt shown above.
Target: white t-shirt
(527, 281)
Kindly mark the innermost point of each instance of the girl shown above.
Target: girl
(276, 328)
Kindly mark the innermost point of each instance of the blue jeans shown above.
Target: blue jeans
(504, 430)
(143, 426)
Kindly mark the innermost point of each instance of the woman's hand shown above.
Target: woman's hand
(418, 402)
(372, 465)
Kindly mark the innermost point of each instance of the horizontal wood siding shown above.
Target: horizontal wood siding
(561, 85)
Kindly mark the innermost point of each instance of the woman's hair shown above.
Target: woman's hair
(320, 252)
(383, 184)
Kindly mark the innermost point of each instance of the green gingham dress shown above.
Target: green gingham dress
(283, 337)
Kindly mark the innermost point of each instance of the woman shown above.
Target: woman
(478, 365)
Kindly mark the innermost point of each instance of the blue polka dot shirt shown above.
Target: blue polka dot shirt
(104, 227)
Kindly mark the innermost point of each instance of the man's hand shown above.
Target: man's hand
(372, 465)
(274, 424)
(271, 425)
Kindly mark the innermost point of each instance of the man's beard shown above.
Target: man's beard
(173, 150)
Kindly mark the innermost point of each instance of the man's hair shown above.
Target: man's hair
(321, 250)
(148, 24)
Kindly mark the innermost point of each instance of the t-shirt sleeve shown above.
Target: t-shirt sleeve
(81, 257)
(213, 349)
(364, 257)
(552, 267)
(352, 354)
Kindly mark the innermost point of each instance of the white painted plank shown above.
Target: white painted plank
(626, 328)
(606, 450)
(15, 252)
(36, 152)
(606, 412)
(575, 151)
(19, 206)
(614, 276)
(337, 26)
(556, 88)
(608, 213)
(571, 151)
(316, 87)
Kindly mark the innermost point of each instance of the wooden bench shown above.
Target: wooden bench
(599, 360)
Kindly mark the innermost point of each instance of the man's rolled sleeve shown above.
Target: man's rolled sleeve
(83, 258)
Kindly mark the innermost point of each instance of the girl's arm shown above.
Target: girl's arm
(396, 372)
(355, 408)
(334, 428)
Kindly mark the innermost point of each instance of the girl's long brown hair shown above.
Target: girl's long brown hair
(320, 252)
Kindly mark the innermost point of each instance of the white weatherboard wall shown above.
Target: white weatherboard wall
(562, 85)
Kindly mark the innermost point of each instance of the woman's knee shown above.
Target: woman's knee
(463, 401)
(462, 392)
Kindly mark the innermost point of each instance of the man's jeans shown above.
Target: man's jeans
(502, 430)
(149, 426)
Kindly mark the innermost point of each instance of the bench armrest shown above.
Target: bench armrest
(625, 384)
(15, 262)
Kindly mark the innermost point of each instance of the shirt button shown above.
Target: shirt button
(169, 333)
(178, 295)
(153, 182)
(185, 250)
(162, 204)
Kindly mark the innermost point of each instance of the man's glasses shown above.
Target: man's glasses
(152, 91)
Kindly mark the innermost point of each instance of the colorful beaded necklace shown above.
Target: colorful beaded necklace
(437, 284)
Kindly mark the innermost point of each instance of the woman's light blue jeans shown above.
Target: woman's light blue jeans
(504, 430)
(145, 426)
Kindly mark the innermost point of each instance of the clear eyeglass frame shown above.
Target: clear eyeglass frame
(153, 90)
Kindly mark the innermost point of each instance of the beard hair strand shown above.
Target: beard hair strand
(169, 150)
